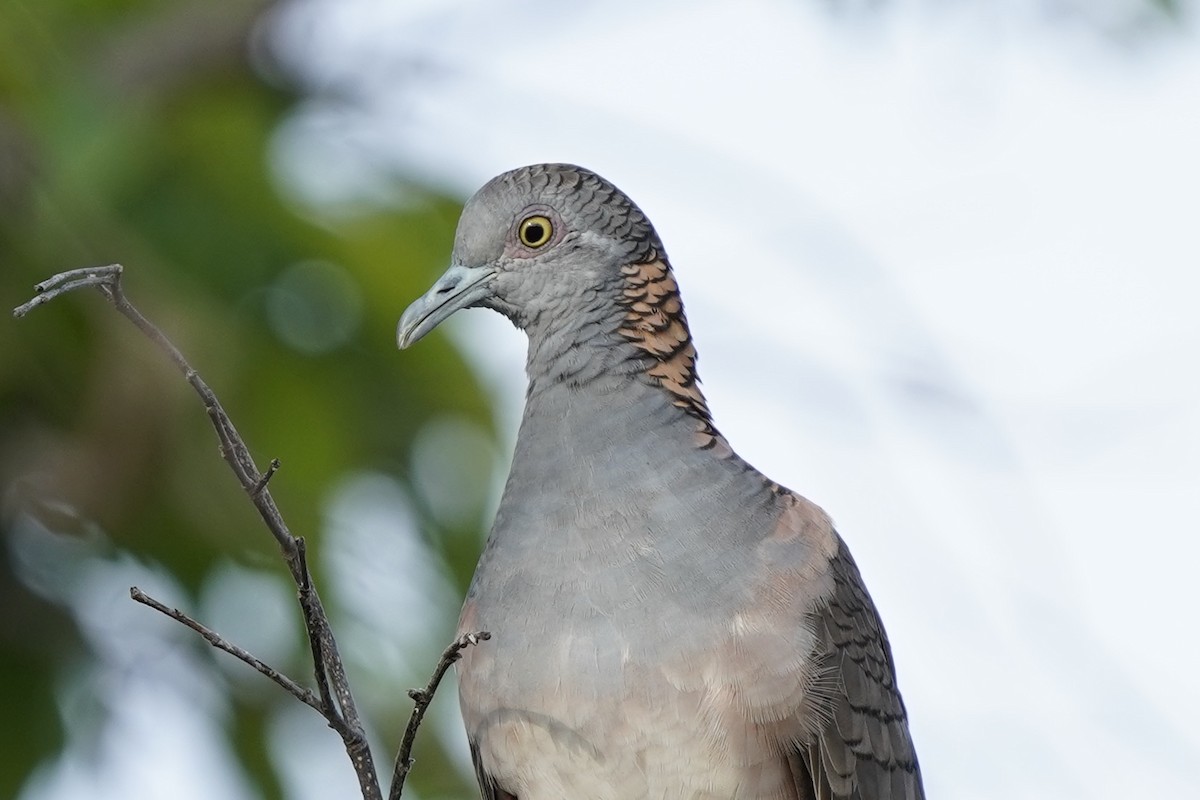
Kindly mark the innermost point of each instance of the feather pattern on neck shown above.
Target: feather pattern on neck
(655, 323)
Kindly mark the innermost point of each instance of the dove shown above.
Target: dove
(667, 622)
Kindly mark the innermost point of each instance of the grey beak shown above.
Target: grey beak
(459, 287)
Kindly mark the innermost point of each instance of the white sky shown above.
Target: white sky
(942, 269)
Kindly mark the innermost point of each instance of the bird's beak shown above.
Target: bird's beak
(459, 287)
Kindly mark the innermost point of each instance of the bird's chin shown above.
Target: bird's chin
(507, 310)
(459, 287)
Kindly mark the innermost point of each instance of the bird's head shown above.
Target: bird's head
(573, 261)
(543, 243)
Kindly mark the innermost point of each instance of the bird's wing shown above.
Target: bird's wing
(862, 749)
(488, 789)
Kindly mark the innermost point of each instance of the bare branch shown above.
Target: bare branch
(216, 640)
(421, 700)
(336, 701)
(68, 281)
(333, 699)
(310, 603)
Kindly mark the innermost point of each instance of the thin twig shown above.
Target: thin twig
(421, 700)
(315, 639)
(216, 640)
(337, 702)
(68, 281)
(330, 675)
(262, 482)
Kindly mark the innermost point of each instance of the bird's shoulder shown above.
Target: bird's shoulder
(853, 724)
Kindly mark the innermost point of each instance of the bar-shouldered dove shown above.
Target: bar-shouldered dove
(666, 621)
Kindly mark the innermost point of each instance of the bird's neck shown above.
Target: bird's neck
(633, 356)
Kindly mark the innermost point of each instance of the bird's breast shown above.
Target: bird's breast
(642, 645)
(630, 655)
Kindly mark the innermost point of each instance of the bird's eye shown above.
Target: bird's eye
(535, 231)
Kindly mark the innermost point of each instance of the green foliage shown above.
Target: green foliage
(138, 132)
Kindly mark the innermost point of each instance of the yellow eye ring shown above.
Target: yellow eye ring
(535, 231)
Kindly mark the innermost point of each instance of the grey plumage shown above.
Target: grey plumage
(666, 621)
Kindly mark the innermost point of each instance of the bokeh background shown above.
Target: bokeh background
(940, 259)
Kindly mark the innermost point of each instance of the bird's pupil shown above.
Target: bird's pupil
(534, 232)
